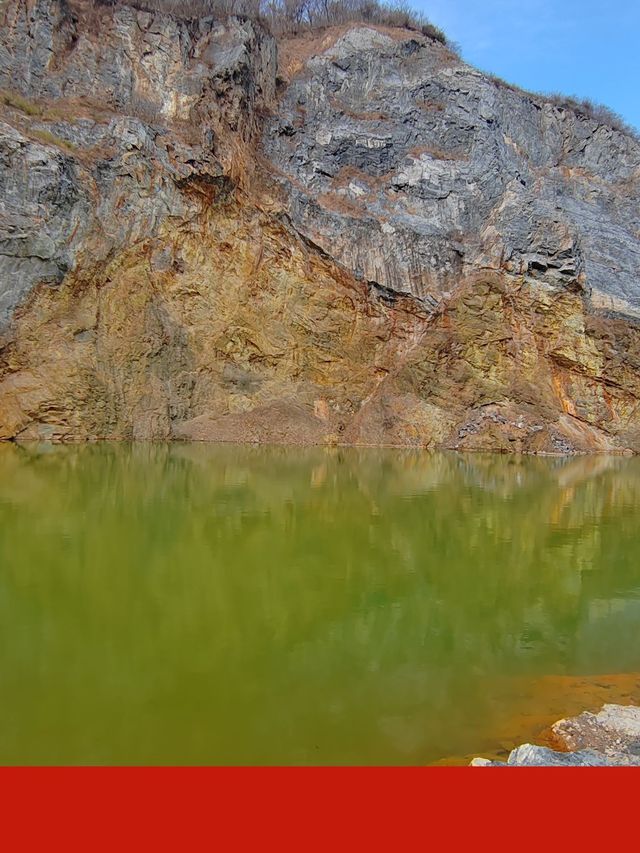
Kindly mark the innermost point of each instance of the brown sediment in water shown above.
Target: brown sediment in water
(527, 708)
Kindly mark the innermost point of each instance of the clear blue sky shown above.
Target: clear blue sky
(585, 48)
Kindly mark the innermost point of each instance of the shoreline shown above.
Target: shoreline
(623, 453)
(608, 738)
(528, 708)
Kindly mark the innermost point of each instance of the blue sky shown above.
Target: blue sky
(578, 47)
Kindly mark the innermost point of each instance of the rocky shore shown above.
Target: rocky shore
(610, 738)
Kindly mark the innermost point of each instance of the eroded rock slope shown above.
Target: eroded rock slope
(386, 247)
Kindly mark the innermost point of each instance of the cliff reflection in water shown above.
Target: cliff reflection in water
(225, 604)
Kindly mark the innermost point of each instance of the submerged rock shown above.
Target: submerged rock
(610, 738)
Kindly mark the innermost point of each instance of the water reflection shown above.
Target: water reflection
(194, 603)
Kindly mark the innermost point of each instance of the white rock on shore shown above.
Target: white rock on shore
(610, 738)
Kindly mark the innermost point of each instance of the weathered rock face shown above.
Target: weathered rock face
(414, 169)
(90, 166)
(416, 256)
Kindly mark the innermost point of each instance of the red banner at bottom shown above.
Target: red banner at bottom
(317, 808)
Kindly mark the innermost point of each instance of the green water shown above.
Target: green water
(220, 604)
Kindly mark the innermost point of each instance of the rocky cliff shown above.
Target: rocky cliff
(373, 244)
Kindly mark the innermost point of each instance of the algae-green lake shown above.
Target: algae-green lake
(198, 604)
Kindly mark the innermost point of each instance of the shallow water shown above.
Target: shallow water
(221, 604)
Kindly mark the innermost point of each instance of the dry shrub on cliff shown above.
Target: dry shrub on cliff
(580, 106)
(587, 108)
(33, 109)
(286, 17)
(49, 138)
(18, 102)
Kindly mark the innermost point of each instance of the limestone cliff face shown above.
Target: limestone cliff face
(391, 248)
(414, 170)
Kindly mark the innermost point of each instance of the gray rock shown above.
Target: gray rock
(44, 210)
(614, 729)
(529, 755)
(610, 738)
(142, 61)
(145, 72)
(411, 168)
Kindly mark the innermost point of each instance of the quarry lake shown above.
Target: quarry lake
(198, 604)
